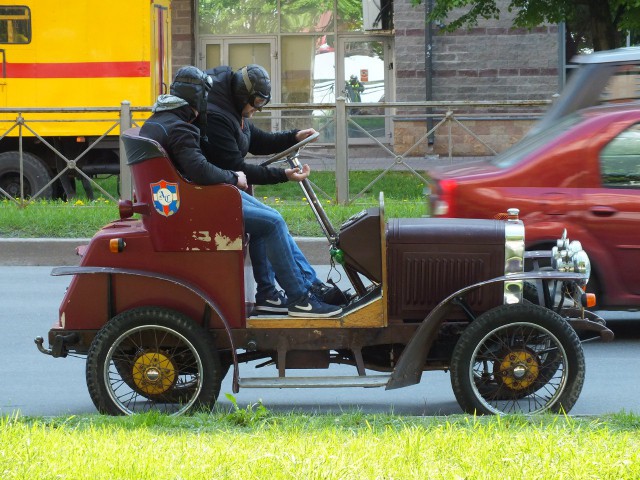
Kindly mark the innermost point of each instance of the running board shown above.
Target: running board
(315, 382)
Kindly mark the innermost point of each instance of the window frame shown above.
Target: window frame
(25, 12)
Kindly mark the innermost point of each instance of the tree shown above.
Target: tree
(596, 24)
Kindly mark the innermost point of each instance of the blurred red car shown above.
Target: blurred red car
(581, 172)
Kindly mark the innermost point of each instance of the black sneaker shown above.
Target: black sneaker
(330, 294)
(310, 306)
(275, 303)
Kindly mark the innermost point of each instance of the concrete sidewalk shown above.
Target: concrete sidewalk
(62, 251)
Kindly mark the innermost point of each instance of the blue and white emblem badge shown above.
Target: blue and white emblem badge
(166, 198)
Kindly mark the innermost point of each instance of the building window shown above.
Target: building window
(224, 17)
(15, 25)
(300, 70)
(249, 17)
(306, 18)
(310, 48)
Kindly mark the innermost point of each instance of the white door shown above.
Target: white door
(238, 52)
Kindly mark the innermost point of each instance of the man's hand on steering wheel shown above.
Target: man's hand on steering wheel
(309, 135)
(297, 175)
(302, 134)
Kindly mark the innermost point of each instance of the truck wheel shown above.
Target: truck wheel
(152, 358)
(35, 174)
(519, 358)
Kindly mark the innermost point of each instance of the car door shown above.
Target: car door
(612, 211)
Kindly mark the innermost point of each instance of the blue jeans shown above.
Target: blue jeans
(273, 251)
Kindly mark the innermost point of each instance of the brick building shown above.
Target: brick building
(491, 62)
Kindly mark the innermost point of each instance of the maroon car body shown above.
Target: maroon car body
(158, 305)
(581, 172)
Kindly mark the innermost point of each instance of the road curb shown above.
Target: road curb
(62, 251)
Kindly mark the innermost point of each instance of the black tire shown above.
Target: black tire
(519, 358)
(35, 174)
(530, 293)
(153, 358)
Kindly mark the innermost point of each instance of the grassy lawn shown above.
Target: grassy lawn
(404, 197)
(252, 443)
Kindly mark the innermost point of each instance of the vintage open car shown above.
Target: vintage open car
(159, 304)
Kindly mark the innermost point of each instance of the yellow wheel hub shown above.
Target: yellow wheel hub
(154, 373)
(519, 369)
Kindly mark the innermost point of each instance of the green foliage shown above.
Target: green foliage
(602, 23)
(232, 16)
(57, 219)
(251, 415)
(260, 16)
(486, 9)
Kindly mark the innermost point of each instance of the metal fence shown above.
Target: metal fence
(28, 123)
(344, 127)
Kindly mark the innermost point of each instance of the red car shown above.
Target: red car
(580, 172)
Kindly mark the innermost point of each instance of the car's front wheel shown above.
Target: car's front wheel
(152, 358)
(519, 358)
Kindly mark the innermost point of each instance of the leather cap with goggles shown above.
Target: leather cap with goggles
(192, 84)
(257, 97)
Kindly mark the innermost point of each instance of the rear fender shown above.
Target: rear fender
(167, 278)
(410, 365)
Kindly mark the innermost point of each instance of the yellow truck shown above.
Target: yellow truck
(82, 55)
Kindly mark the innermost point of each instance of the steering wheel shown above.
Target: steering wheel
(290, 150)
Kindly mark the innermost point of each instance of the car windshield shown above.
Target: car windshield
(522, 149)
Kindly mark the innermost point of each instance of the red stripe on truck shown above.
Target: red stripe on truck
(77, 70)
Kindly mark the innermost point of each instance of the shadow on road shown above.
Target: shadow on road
(629, 329)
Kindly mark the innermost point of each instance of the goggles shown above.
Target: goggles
(257, 100)
(207, 81)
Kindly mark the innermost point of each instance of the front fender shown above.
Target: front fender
(409, 368)
(586, 321)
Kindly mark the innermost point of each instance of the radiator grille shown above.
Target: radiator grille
(424, 280)
(428, 279)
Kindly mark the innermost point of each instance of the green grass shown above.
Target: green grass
(404, 197)
(254, 443)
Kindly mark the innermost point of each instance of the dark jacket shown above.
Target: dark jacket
(230, 139)
(181, 139)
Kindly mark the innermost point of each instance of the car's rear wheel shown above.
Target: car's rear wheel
(518, 358)
(152, 359)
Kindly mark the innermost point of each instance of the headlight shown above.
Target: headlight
(581, 263)
(570, 257)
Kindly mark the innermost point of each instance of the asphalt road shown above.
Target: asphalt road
(36, 384)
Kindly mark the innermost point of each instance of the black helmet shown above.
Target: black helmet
(192, 84)
(251, 85)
